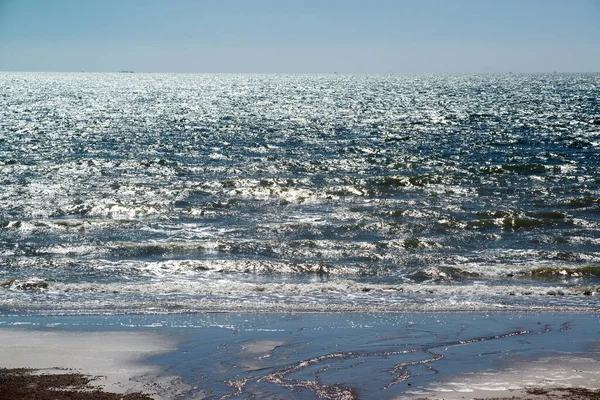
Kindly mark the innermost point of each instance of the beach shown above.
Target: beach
(315, 355)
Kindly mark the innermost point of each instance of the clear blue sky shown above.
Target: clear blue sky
(354, 36)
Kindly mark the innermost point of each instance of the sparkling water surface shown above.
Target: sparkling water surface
(158, 192)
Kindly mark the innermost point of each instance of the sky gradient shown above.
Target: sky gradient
(294, 36)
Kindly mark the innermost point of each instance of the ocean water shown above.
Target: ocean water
(165, 193)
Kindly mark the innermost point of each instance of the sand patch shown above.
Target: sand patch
(262, 347)
(114, 358)
(524, 379)
(253, 354)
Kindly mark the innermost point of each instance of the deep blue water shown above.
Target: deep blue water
(156, 192)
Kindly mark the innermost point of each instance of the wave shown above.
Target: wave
(517, 219)
(30, 284)
(583, 202)
(507, 273)
(246, 267)
(572, 272)
(344, 287)
(414, 180)
(517, 169)
(335, 295)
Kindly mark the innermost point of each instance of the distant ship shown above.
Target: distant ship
(125, 72)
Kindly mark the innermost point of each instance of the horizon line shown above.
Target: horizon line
(125, 72)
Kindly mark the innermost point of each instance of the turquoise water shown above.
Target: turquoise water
(156, 192)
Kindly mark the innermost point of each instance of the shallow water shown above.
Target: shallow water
(350, 355)
(157, 192)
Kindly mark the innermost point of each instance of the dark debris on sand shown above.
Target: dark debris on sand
(555, 394)
(29, 384)
(546, 394)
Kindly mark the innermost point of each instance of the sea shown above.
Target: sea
(183, 193)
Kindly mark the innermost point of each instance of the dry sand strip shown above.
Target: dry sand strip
(109, 362)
